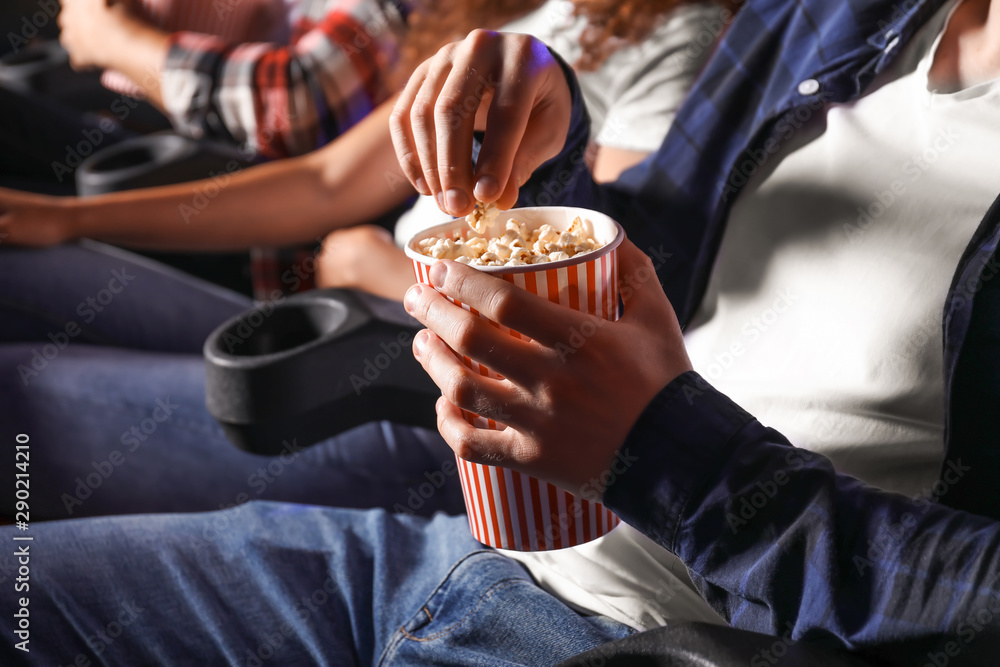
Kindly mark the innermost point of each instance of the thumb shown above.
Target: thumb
(639, 284)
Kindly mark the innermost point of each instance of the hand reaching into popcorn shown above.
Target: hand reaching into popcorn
(507, 85)
(567, 408)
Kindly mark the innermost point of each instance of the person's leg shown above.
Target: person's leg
(122, 431)
(280, 584)
(94, 293)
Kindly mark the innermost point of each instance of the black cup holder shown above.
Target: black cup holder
(40, 68)
(314, 366)
(288, 328)
(156, 159)
(134, 157)
(28, 57)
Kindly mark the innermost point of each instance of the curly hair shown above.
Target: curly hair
(611, 24)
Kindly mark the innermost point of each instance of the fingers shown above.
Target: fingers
(471, 443)
(401, 131)
(459, 384)
(508, 116)
(423, 121)
(472, 336)
(455, 119)
(526, 100)
(639, 285)
(504, 303)
(527, 122)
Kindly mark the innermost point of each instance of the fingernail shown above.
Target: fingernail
(411, 296)
(457, 201)
(439, 198)
(438, 273)
(487, 188)
(419, 343)
(421, 186)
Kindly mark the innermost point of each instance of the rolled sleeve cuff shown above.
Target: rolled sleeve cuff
(189, 79)
(677, 446)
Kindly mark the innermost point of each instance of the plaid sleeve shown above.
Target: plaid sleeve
(283, 100)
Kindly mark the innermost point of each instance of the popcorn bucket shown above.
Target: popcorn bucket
(234, 21)
(508, 509)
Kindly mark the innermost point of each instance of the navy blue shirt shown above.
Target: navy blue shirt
(775, 538)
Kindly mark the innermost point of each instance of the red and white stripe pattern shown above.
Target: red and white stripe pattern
(510, 510)
(231, 20)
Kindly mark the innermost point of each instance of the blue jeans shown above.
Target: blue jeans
(270, 583)
(101, 365)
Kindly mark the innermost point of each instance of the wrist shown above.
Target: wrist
(137, 49)
(80, 217)
(678, 441)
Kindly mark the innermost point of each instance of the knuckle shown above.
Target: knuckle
(459, 388)
(446, 109)
(501, 305)
(421, 111)
(464, 333)
(444, 54)
(397, 120)
(480, 37)
(454, 282)
(464, 446)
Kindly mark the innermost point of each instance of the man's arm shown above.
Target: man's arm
(780, 543)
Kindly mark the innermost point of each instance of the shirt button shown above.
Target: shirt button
(809, 87)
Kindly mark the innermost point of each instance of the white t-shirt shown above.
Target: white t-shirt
(833, 299)
(631, 98)
(852, 365)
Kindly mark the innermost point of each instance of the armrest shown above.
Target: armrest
(706, 645)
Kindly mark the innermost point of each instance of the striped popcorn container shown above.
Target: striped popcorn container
(508, 509)
(232, 20)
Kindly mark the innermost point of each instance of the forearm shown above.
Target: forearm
(779, 542)
(138, 50)
(282, 203)
(272, 204)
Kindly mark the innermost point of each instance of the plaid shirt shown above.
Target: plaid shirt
(286, 99)
(775, 538)
(280, 100)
